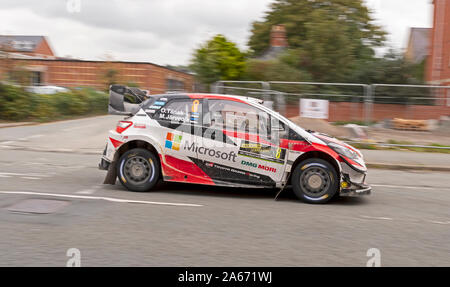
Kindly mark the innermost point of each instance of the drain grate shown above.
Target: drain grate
(38, 206)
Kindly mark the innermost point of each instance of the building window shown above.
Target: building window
(36, 78)
(174, 85)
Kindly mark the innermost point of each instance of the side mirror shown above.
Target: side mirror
(124, 100)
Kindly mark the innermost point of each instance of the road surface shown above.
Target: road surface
(52, 168)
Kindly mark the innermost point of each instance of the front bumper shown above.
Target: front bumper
(353, 188)
(356, 190)
(104, 163)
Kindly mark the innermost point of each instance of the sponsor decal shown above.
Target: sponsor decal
(263, 152)
(194, 107)
(259, 166)
(173, 141)
(230, 174)
(230, 156)
(150, 111)
(155, 107)
(255, 147)
(173, 115)
(139, 126)
(237, 171)
(159, 103)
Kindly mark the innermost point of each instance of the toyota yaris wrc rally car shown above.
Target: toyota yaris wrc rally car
(224, 140)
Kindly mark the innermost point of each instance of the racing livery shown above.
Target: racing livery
(224, 140)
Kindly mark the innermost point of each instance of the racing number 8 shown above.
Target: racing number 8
(278, 153)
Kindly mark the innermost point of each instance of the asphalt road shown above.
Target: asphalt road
(407, 217)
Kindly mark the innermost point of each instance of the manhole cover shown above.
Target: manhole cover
(38, 206)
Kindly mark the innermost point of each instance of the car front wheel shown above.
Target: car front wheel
(138, 169)
(315, 181)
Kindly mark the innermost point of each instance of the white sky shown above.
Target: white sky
(167, 31)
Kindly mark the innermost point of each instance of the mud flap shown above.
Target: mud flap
(112, 174)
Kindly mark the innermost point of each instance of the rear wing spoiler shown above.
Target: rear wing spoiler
(125, 100)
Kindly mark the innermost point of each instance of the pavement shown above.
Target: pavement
(15, 124)
(52, 199)
(392, 159)
(88, 136)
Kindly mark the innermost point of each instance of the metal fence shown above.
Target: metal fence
(348, 102)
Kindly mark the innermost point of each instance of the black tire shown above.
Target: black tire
(315, 180)
(138, 169)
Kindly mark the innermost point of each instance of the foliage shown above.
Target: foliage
(326, 37)
(110, 77)
(218, 59)
(393, 68)
(16, 104)
(273, 70)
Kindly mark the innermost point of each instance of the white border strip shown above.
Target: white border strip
(112, 199)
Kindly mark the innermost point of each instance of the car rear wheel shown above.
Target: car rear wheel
(138, 169)
(315, 181)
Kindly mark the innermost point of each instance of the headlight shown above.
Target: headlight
(342, 150)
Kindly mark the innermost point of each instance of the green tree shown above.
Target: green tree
(326, 37)
(273, 70)
(111, 77)
(393, 68)
(218, 59)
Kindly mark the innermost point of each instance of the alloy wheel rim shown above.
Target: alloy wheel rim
(315, 181)
(138, 170)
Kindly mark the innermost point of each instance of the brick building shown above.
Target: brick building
(35, 55)
(278, 43)
(418, 48)
(438, 64)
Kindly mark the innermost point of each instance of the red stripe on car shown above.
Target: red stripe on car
(115, 143)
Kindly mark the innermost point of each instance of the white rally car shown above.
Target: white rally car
(224, 140)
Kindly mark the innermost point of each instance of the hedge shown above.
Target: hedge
(16, 104)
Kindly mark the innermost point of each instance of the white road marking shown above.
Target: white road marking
(89, 191)
(29, 177)
(440, 222)
(112, 199)
(24, 174)
(408, 187)
(1, 175)
(376, 217)
(86, 191)
(30, 137)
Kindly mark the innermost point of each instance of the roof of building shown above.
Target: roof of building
(21, 43)
(278, 43)
(29, 44)
(271, 53)
(419, 43)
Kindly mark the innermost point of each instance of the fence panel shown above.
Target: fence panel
(415, 102)
(346, 101)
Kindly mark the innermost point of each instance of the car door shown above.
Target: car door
(181, 122)
(239, 144)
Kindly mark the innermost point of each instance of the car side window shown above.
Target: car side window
(237, 116)
(185, 111)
